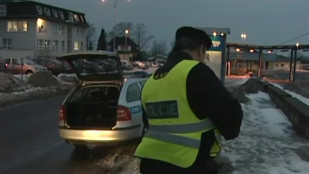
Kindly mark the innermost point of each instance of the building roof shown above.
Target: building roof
(252, 56)
(31, 9)
(121, 41)
(267, 47)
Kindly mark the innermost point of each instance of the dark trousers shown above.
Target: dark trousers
(149, 166)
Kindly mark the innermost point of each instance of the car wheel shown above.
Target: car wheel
(29, 72)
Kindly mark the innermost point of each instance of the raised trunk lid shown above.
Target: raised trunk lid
(92, 66)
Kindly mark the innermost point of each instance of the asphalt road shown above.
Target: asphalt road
(30, 142)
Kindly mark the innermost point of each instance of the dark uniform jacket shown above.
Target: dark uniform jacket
(207, 97)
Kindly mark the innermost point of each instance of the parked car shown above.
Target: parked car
(143, 74)
(22, 66)
(104, 108)
(53, 65)
(126, 65)
(160, 62)
(141, 65)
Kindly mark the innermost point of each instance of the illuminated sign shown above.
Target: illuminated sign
(217, 43)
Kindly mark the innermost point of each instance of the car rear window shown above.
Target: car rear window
(92, 94)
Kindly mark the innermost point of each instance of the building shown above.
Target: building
(125, 47)
(243, 62)
(30, 29)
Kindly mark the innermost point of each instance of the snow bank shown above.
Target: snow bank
(8, 82)
(43, 79)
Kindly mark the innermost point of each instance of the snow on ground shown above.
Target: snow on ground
(267, 143)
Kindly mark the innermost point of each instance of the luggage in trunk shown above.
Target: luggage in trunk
(93, 107)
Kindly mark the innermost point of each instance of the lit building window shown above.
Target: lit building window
(76, 18)
(2, 10)
(76, 46)
(82, 19)
(24, 26)
(17, 26)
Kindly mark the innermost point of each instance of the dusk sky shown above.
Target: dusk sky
(267, 22)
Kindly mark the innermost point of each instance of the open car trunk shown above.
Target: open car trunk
(93, 107)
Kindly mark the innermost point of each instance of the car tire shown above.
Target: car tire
(29, 72)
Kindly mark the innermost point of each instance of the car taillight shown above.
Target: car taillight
(62, 113)
(123, 113)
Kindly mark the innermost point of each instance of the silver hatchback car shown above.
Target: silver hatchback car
(104, 108)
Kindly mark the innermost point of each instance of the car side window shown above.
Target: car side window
(7, 61)
(133, 93)
(15, 62)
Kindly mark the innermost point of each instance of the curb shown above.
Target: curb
(296, 111)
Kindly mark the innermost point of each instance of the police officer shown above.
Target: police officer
(188, 109)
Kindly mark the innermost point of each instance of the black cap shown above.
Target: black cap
(190, 32)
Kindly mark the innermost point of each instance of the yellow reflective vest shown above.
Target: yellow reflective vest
(174, 133)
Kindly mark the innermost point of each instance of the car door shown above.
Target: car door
(133, 99)
(16, 66)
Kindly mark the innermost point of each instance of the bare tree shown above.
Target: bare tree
(140, 35)
(158, 48)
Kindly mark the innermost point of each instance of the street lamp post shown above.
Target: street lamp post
(114, 32)
(125, 44)
(114, 25)
(295, 59)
